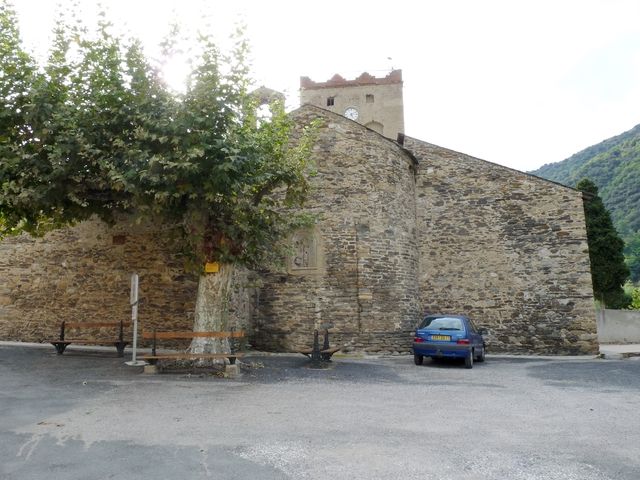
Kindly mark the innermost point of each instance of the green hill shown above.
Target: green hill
(614, 166)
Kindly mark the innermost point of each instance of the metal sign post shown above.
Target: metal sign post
(134, 319)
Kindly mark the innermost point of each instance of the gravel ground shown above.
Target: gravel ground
(86, 415)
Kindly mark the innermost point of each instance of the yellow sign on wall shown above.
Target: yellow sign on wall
(212, 267)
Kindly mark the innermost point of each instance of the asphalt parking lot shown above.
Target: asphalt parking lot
(89, 416)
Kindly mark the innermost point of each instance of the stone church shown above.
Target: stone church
(403, 228)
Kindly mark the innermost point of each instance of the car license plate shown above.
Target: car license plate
(445, 338)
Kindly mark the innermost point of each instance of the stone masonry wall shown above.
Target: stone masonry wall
(506, 248)
(393, 240)
(83, 274)
(361, 279)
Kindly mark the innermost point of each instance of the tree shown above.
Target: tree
(608, 269)
(95, 131)
(632, 254)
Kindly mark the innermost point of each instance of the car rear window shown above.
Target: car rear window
(442, 323)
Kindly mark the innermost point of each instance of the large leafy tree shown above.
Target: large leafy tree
(608, 269)
(95, 131)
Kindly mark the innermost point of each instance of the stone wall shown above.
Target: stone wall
(394, 238)
(83, 274)
(506, 248)
(358, 273)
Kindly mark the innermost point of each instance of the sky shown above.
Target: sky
(517, 82)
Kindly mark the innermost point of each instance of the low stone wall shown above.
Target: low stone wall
(619, 326)
(82, 273)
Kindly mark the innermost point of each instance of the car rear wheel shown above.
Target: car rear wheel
(480, 357)
(418, 359)
(468, 360)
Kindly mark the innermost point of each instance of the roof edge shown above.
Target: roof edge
(310, 106)
(536, 177)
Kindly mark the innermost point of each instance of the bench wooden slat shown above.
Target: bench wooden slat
(191, 356)
(88, 340)
(95, 324)
(146, 334)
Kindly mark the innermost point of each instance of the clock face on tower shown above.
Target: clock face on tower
(351, 113)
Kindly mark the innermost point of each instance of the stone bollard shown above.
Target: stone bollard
(150, 369)
(232, 370)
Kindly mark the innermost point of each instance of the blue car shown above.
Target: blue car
(452, 336)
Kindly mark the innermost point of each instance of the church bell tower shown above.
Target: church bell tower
(374, 102)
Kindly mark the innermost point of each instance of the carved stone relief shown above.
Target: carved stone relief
(305, 252)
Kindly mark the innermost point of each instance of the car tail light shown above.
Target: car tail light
(463, 341)
(418, 339)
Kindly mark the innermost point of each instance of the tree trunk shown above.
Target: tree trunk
(212, 310)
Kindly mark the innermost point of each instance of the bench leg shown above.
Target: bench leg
(60, 346)
(120, 347)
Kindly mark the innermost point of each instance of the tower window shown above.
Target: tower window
(369, 98)
(330, 101)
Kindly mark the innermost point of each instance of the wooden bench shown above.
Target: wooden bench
(317, 354)
(154, 336)
(119, 342)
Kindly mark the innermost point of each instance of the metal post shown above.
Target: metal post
(134, 319)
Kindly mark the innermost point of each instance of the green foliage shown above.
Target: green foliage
(95, 131)
(632, 255)
(633, 294)
(635, 299)
(614, 166)
(608, 269)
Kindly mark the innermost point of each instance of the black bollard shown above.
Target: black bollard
(315, 352)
